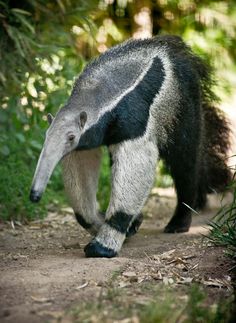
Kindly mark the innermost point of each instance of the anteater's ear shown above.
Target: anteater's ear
(50, 118)
(82, 119)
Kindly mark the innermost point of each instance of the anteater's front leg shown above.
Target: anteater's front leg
(80, 174)
(133, 172)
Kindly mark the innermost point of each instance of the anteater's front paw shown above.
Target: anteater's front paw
(96, 249)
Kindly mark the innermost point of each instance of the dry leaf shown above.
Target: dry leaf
(82, 286)
(189, 256)
(177, 261)
(168, 281)
(185, 280)
(35, 227)
(167, 254)
(12, 225)
(195, 266)
(217, 283)
(41, 299)
(123, 284)
(156, 257)
(129, 274)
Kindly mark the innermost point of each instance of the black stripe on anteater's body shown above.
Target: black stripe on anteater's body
(128, 119)
(145, 100)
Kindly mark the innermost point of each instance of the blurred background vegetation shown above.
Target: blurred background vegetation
(45, 44)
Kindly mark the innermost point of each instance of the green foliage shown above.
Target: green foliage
(198, 311)
(15, 181)
(44, 44)
(171, 309)
(104, 185)
(36, 78)
(163, 178)
(223, 227)
(168, 305)
(160, 311)
(16, 169)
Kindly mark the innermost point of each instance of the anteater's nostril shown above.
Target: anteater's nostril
(35, 196)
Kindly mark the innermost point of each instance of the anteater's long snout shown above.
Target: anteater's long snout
(49, 158)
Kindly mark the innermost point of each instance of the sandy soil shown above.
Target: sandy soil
(44, 271)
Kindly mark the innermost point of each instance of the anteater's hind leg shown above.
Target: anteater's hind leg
(80, 174)
(133, 172)
(186, 188)
(186, 171)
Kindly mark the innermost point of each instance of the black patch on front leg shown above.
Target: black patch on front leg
(120, 221)
(82, 221)
(96, 249)
(133, 229)
(135, 226)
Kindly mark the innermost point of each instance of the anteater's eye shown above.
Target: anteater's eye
(71, 137)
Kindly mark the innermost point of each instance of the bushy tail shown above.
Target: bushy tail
(214, 174)
(216, 146)
(216, 134)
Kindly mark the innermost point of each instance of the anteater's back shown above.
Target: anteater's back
(157, 86)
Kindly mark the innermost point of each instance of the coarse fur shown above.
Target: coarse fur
(145, 100)
(80, 174)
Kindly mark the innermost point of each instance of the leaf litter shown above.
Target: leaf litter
(170, 268)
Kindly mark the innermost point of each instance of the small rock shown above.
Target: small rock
(129, 274)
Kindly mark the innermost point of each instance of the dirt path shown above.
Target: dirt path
(44, 271)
